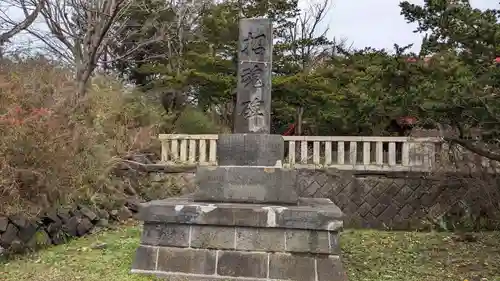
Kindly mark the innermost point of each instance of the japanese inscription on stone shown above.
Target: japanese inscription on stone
(254, 43)
(251, 76)
(254, 77)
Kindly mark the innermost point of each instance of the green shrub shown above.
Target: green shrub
(194, 121)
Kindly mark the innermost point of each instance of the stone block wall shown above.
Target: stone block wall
(227, 252)
(407, 201)
(241, 238)
(383, 201)
(19, 233)
(402, 201)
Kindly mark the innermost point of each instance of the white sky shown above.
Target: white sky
(377, 23)
(374, 23)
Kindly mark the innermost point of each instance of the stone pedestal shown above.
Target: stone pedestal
(245, 222)
(242, 184)
(250, 150)
(187, 240)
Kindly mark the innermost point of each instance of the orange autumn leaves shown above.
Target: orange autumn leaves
(17, 116)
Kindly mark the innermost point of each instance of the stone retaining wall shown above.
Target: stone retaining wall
(407, 201)
(403, 201)
(384, 201)
(19, 233)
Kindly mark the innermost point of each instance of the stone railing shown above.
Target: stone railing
(189, 149)
(341, 152)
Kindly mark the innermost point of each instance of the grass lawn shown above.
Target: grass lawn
(368, 255)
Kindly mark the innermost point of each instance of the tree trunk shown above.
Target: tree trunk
(82, 78)
(298, 128)
(81, 89)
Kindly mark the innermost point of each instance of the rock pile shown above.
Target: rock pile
(19, 233)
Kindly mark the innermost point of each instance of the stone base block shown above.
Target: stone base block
(236, 238)
(186, 240)
(314, 216)
(250, 150)
(212, 264)
(246, 185)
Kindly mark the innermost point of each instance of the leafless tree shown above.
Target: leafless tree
(80, 33)
(308, 43)
(184, 27)
(9, 26)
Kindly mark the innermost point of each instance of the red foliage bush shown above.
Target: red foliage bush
(52, 154)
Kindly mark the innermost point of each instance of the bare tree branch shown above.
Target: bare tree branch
(305, 43)
(81, 32)
(16, 27)
(475, 148)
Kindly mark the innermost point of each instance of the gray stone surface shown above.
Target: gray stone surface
(9, 235)
(88, 213)
(242, 264)
(54, 227)
(4, 222)
(330, 268)
(174, 235)
(229, 229)
(212, 237)
(145, 258)
(84, 226)
(260, 239)
(19, 220)
(292, 267)
(186, 211)
(203, 264)
(312, 241)
(71, 227)
(196, 261)
(26, 232)
(253, 101)
(241, 238)
(250, 150)
(246, 185)
(415, 198)
(63, 214)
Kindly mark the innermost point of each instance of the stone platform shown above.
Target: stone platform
(187, 240)
(246, 184)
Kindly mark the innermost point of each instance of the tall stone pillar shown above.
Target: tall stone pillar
(253, 97)
(245, 221)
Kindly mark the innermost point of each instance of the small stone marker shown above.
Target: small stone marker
(228, 230)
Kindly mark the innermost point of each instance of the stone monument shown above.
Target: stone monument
(245, 221)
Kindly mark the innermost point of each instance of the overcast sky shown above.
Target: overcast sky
(377, 23)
